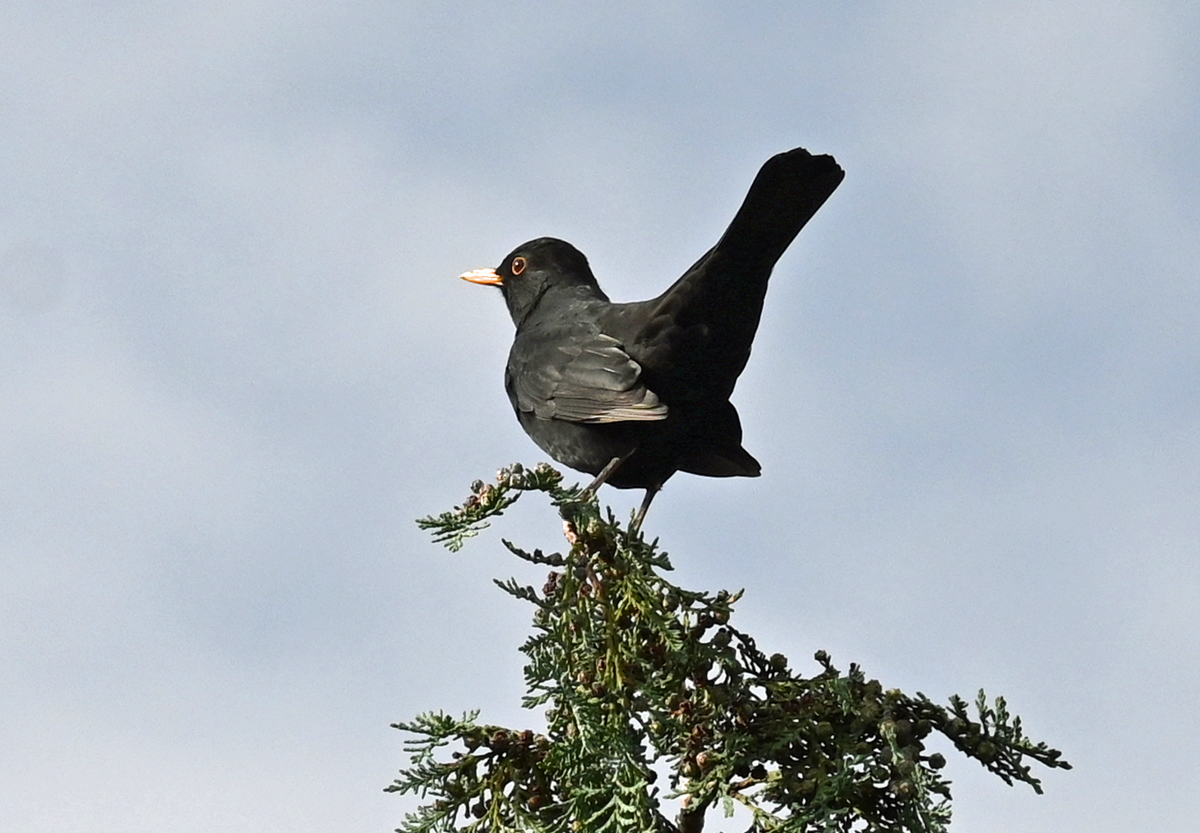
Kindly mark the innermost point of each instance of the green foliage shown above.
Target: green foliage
(638, 676)
(453, 528)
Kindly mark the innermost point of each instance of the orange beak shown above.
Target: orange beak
(485, 277)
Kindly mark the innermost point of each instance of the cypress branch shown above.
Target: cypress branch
(635, 671)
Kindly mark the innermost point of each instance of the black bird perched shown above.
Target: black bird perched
(633, 393)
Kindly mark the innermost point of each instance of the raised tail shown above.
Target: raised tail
(785, 195)
(702, 327)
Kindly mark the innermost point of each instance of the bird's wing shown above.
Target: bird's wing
(589, 379)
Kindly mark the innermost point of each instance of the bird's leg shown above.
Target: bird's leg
(592, 488)
(604, 474)
(641, 513)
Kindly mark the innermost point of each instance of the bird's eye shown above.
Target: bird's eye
(518, 265)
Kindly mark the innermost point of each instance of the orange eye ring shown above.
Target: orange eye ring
(518, 265)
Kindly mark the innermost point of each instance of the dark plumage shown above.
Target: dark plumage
(635, 392)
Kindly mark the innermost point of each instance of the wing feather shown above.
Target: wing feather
(589, 380)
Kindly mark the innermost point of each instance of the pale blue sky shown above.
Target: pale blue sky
(235, 363)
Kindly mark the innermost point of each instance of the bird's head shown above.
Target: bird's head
(533, 268)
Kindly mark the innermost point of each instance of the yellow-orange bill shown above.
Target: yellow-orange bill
(486, 277)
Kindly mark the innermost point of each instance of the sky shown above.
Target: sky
(236, 364)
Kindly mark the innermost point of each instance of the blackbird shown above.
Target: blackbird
(633, 393)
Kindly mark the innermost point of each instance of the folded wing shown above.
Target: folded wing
(588, 379)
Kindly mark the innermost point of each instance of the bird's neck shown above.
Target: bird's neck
(556, 295)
